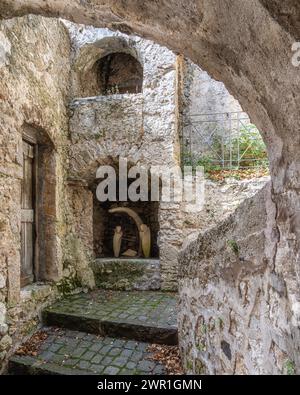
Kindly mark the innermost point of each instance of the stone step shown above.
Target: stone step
(66, 352)
(142, 316)
(127, 274)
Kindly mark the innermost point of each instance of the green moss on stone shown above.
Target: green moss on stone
(234, 246)
(189, 365)
(201, 347)
(117, 275)
(289, 368)
(29, 327)
(67, 285)
(199, 367)
(221, 323)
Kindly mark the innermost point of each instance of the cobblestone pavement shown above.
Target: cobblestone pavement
(72, 352)
(131, 322)
(158, 309)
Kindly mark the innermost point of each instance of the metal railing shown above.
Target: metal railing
(226, 140)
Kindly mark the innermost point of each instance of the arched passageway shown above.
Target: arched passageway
(209, 33)
(247, 45)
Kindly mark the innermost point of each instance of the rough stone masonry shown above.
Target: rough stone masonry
(247, 45)
(75, 134)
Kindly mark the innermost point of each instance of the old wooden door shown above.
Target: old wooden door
(28, 215)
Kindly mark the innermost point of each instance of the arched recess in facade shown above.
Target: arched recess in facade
(106, 215)
(92, 64)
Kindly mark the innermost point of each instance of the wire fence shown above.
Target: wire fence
(223, 140)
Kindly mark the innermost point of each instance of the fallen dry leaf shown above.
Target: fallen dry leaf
(241, 174)
(32, 345)
(168, 356)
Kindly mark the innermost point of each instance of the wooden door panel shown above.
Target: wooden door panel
(27, 254)
(27, 215)
(27, 184)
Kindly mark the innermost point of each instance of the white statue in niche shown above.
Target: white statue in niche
(145, 238)
(117, 240)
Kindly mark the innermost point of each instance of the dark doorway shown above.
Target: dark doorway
(119, 73)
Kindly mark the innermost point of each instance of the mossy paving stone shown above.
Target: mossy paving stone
(134, 318)
(117, 358)
(137, 315)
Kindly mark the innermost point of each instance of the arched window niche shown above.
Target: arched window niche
(107, 67)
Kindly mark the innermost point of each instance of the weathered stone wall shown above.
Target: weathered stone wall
(233, 306)
(210, 114)
(143, 128)
(127, 274)
(106, 127)
(224, 281)
(78, 242)
(221, 199)
(34, 83)
(204, 95)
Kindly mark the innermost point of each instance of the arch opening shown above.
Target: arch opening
(119, 73)
(107, 66)
(128, 214)
(108, 215)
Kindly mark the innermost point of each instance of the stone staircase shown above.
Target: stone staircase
(102, 332)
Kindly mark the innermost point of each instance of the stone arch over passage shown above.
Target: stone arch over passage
(108, 66)
(263, 80)
(248, 46)
(209, 33)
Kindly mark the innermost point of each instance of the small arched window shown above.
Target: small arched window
(119, 73)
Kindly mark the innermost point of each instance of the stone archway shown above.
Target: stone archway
(137, 219)
(209, 34)
(255, 66)
(247, 45)
(134, 216)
